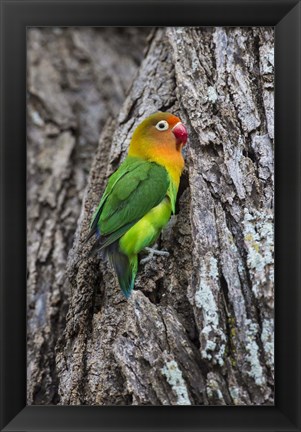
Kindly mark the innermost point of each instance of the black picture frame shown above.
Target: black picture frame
(16, 16)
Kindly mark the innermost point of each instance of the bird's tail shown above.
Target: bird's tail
(125, 268)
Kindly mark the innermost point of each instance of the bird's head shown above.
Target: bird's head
(160, 132)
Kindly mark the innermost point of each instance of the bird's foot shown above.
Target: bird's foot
(151, 253)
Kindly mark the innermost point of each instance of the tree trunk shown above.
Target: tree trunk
(198, 329)
(77, 78)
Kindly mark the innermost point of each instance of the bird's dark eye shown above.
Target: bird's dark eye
(162, 125)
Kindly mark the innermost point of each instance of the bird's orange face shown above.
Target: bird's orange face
(166, 127)
(160, 138)
(159, 132)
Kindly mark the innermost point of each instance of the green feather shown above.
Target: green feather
(172, 193)
(133, 190)
(130, 164)
(125, 268)
(138, 190)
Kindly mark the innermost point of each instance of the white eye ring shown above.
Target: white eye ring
(162, 125)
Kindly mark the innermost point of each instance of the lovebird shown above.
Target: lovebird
(140, 195)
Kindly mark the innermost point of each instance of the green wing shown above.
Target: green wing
(130, 164)
(134, 189)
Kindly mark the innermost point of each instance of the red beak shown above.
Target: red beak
(180, 132)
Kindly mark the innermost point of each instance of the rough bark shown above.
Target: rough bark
(77, 78)
(198, 329)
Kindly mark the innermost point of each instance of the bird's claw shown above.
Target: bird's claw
(151, 253)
